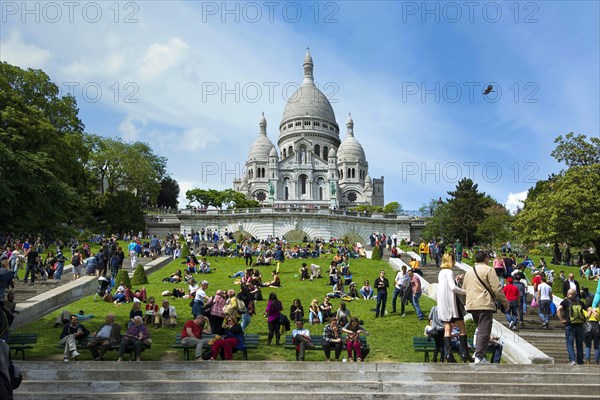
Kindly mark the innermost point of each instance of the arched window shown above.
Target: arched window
(317, 150)
(320, 193)
(263, 173)
(284, 153)
(341, 174)
(349, 173)
(325, 153)
(303, 179)
(290, 151)
(353, 173)
(286, 188)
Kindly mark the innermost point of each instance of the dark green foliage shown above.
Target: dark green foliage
(169, 192)
(376, 253)
(139, 276)
(123, 276)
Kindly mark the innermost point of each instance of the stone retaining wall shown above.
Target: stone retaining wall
(64, 295)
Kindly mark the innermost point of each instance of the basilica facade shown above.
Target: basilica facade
(311, 166)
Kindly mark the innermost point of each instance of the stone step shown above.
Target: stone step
(340, 374)
(251, 394)
(199, 386)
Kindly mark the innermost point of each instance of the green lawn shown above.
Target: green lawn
(390, 339)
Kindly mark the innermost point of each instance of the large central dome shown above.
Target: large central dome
(308, 100)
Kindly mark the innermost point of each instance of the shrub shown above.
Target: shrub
(535, 252)
(123, 276)
(557, 286)
(403, 242)
(376, 253)
(139, 276)
(240, 238)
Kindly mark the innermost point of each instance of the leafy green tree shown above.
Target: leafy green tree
(392, 208)
(575, 150)
(120, 212)
(564, 208)
(42, 181)
(496, 227)
(169, 193)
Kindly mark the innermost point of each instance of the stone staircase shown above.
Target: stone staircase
(550, 341)
(87, 380)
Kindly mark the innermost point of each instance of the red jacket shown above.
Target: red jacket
(511, 292)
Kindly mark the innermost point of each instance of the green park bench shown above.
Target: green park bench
(250, 340)
(317, 340)
(19, 342)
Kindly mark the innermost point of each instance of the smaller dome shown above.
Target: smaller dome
(332, 152)
(351, 150)
(262, 147)
(273, 152)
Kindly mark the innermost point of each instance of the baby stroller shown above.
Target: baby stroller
(104, 287)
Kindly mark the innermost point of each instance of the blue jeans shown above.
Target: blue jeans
(512, 313)
(459, 256)
(423, 259)
(381, 302)
(574, 337)
(524, 303)
(415, 302)
(365, 294)
(544, 311)
(246, 318)
(397, 292)
(311, 316)
(60, 265)
(588, 348)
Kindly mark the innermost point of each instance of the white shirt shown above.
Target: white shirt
(200, 295)
(398, 280)
(304, 332)
(545, 291)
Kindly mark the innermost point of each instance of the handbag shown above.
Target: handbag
(365, 349)
(460, 307)
(591, 328)
(534, 302)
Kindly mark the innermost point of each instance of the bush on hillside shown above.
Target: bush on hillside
(376, 253)
(123, 276)
(139, 276)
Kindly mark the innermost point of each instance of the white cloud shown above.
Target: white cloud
(160, 57)
(131, 127)
(25, 55)
(515, 200)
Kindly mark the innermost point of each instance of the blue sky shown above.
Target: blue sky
(411, 74)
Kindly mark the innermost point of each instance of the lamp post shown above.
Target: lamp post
(440, 202)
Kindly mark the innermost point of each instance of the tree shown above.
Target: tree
(392, 208)
(169, 193)
(459, 216)
(42, 181)
(575, 151)
(563, 208)
(120, 212)
(496, 227)
(214, 198)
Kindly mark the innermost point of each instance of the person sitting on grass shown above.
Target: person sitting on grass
(233, 338)
(314, 314)
(296, 311)
(366, 291)
(276, 282)
(138, 337)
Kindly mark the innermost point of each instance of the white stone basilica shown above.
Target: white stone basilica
(313, 167)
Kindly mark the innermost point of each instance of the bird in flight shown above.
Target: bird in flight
(488, 90)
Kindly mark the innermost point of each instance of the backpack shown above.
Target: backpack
(576, 316)
(241, 306)
(75, 261)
